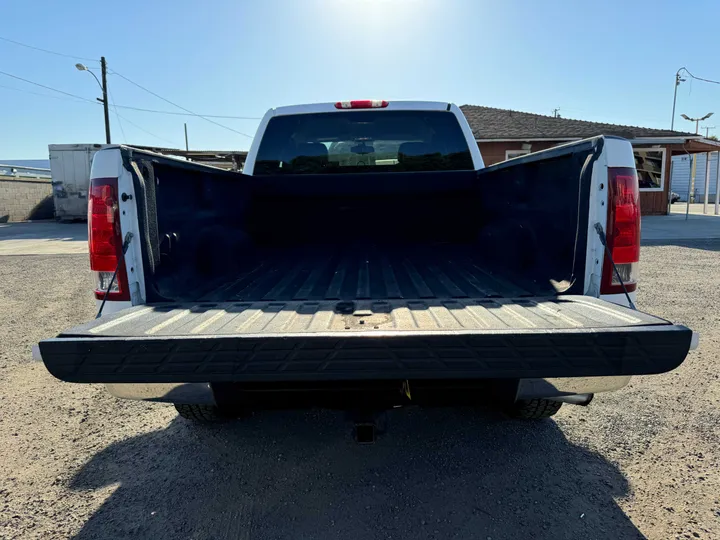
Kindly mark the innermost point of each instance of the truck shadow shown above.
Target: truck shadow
(454, 473)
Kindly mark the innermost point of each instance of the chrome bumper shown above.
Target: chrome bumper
(190, 393)
(564, 389)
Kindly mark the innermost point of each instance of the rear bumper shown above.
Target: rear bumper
(195, 393)
(529, 354)
(202, 393)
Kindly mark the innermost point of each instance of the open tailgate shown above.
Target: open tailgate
(567, 336)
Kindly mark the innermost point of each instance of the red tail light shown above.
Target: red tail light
(105, 239)
(622, 231)
(362, 104)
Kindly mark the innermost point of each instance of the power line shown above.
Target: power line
(46, 87)
(155, 111)
(190, 113)
(94, 103)
(75, 98)
(181, 107)
(146, 131)
(112, 100)
(129, 107)
(47, 51)
(22, 90)
(700, 78)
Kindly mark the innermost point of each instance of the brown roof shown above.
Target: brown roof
(491, 123)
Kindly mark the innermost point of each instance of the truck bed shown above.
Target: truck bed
(367, 276)
(370, 272)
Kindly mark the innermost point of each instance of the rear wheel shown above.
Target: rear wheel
(533, 409)
(204, 414)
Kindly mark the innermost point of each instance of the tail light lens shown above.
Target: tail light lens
(105, 239)
(622, 231)
(362, 104)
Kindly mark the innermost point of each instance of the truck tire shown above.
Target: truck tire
(203, 414)
(533, 409)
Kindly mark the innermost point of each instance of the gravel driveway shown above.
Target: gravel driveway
(75, 462)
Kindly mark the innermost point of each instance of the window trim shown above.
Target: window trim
(662, 169)
(517, 153)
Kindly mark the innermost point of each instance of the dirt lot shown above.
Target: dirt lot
(75, 462)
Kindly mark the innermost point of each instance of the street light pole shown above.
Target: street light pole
(678, 80)
(691, 185)
(103, 87)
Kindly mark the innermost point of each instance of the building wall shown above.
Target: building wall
(494, 152)
(655, 203)
(22, 199)
(651, 202)
(681, 172)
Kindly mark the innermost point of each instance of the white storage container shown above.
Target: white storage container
(70, 169)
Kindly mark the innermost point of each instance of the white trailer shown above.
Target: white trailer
(70, 169)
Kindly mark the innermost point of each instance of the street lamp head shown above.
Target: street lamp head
(81, 67)
(708, 115)
(686, 117)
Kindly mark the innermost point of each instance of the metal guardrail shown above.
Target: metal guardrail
(24, 172)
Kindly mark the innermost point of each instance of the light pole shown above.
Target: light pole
(678, 80)
(697, 121)
(103, 87)
(691, 186)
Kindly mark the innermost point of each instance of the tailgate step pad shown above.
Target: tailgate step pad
(565, 336)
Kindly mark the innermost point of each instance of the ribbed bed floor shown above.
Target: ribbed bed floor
(370, 272)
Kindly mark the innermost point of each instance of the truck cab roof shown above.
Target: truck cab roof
(396, 105)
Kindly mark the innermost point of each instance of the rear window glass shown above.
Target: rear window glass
(363, 141)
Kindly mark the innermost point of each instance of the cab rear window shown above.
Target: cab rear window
(363, 141)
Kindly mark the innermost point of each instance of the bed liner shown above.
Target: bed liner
(429, 271)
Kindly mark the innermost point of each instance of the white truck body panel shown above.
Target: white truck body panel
(617, 153)
(108, 164)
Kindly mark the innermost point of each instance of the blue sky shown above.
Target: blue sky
(610, 61)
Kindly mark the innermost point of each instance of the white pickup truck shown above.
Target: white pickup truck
(366, 259)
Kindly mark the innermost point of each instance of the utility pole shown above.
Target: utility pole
(103, 67)
(103, 87)
(187, 148)
(555, 113)
(678, 80)
(707, 130)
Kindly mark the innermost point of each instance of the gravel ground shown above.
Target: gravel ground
(75, 462)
